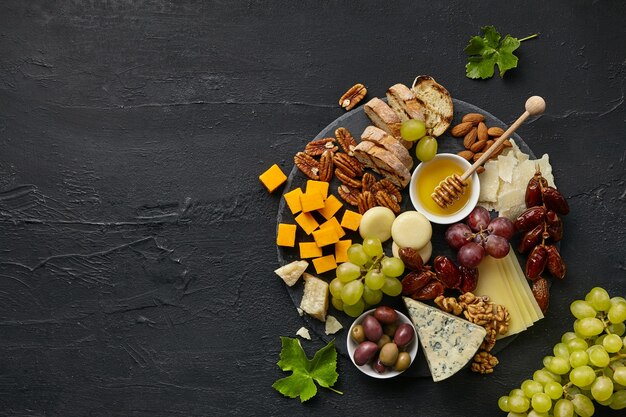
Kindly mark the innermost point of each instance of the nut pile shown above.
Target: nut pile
(479, 310)
(541, 224)
(322, 159)
(477, 137)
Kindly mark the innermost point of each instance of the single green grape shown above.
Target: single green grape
(581, 309)
(582, 376)
(598, 356)
(599, 299)
(392, 267)
(412, 130)
(392, 286)
(567, 336)
(563, 408)
(558, 365)
(541, 402)
(599, 339)
(357, 255)
(519, 404)
(617, 312)
(577, 344)
(337, 303)
(347, 272)
(372, 246)
(516, 392)
(612, 343)
(374, 279)
(426, 148)
(583, 406)
(561, 349)
(602, 388)
(372, 297)
(618, 400)
(503, 403)
(616, 328)
(544, 376)
(531, 387)
(590, 326)
(553, 389)
(532, 413)
(351, 292)
(578, 358)
(354, 310)
(335, 287)
(619, 375)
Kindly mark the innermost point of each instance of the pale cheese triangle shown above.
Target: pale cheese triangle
(449, 342)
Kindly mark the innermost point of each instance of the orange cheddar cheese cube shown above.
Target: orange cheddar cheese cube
(341, 250)
(311, 201)
(309, 250)
(307, 222)
(317, 186)
(326, 236)
(332, 222)
(324, 264)
(292, 198)
(273, 178)
(331, 206)
(351, 220)
(286, 235)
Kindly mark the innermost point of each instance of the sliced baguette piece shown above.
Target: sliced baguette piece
(383, 117)
(315, 299)
(383, 162)
(437, 104)
(381, 138)
(402, 100)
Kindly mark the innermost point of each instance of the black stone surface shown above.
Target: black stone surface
(137, 245)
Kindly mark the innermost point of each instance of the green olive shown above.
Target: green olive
(358, 334)
(389, 354)
(384, 339)
(403, 362)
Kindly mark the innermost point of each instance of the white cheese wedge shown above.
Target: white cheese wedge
(303, 332)
(489, 182)
(291, 272)
(332, 325)
(506, 166)
(519, 285)
(449, 342)
(529, 294)
(315, 299)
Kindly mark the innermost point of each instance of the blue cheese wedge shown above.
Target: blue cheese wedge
(449, 342)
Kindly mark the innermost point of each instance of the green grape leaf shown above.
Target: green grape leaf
(491, 49)
(301, 383)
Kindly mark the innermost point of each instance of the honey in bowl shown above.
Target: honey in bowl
(431, 174)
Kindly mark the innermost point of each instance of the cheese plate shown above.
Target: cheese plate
(356, 121)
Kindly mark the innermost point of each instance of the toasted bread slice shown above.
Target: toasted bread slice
(383, 162)
(402, 100)
(381, 138)
(383, 117)
(437, 104)
(315, 299)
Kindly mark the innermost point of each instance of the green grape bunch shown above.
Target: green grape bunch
(367, 276)
(587, 365)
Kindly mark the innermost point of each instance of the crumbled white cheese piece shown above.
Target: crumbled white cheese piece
(332, 325)
(303, 332)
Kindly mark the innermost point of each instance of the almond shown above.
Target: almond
(470, 138)
(495, 131)
(473, 117)
(478, 146)
(489, 143)
(480, 169)
(507, 143)
(461, 129)
(482, 131)
(467, 155)
(477, 156)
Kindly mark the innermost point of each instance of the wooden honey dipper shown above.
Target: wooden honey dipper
(454, 185)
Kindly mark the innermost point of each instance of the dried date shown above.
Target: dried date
(469, 279)
(430, 291)
(554, 200)
(447, 272)
(541, 292)
(536, 262)
(414, 281)
(530, 239)
(555, 263)
(411, 259)
(530, 218)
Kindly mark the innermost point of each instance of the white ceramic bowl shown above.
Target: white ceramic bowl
(367, 368)
(474, 189)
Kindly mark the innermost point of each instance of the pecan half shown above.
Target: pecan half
(326, 166)
(366, 201)
(349, 195)
(368, 181)
(346, 179)
(346, 140)
(353, 96)
(388, 187)
(385, 200)
(319, 146)
(348, 164)
(309, 166)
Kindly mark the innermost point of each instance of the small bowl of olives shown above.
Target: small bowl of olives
(382, 342)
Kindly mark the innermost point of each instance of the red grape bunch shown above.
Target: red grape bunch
(480, 235)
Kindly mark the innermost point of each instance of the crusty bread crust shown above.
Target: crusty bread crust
(437, 104)
(383, 162)
(402, 100)
(382, 138)
(385, 118)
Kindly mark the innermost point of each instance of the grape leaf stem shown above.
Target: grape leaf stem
(529, 37)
